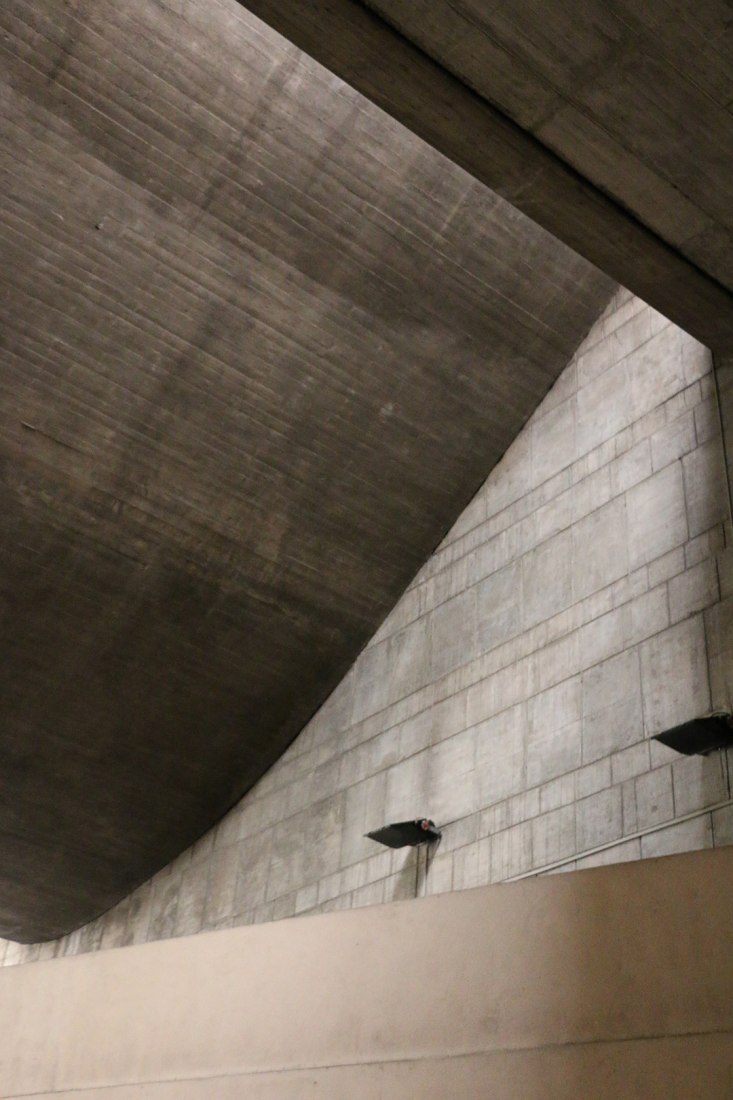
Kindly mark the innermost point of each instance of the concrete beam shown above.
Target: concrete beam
(370, 55)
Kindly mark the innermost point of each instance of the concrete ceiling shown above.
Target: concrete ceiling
(607, 121)
(260, 345)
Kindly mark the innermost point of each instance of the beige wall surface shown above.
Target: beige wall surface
(614, 982)
(573, 611)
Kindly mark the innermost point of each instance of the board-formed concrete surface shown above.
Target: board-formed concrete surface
(607, 122)
(615, 982)
(635, 97)
(260, 345)
(570, 614)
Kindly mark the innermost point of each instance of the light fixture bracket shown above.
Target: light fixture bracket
(700, 736)
(403, 833)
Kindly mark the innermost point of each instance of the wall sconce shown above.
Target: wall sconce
(700, 735)
(403, 833)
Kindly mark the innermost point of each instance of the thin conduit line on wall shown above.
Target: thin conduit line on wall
(621, 840)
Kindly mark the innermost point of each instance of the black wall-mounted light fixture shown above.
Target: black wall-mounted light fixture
(403, 833)
(699, 736)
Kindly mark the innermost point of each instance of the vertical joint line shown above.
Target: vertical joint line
(718, 402)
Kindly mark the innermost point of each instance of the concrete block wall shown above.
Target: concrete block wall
(512, 692)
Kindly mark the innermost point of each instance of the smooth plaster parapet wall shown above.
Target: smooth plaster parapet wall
(568, 616)
(614, 982)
